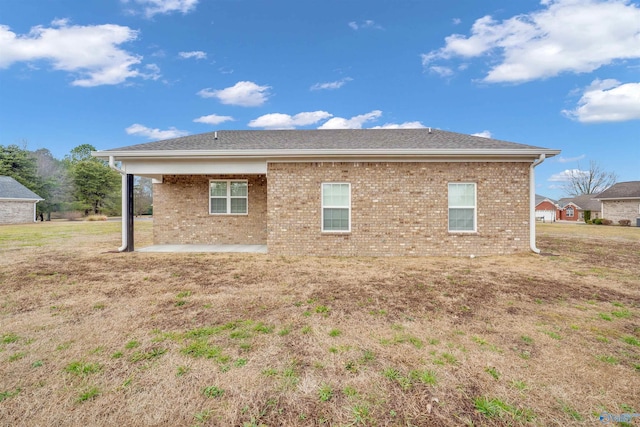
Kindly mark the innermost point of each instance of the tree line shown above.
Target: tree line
(79, 183)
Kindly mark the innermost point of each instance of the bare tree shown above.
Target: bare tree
(592, 181)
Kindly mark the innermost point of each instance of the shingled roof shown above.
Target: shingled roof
(622, 190)
(12, 189)
(585, 202)
(334, 140)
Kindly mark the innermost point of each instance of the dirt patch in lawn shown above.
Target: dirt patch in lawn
(91, 337)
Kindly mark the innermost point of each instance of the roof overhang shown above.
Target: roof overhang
(123, 155)
(619, 198)
(176, 162)
(14, 199)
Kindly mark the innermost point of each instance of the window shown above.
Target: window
(336, 207)
(228, 197)
(569, 212)
(462, 206)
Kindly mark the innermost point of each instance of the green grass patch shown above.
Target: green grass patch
(335, 333)
(325, 393)
(154, 353)
(621, 314)
(132, 344)
(493, 372)
(631, 340)
(575, 415)
(201, 348)
(608, 359)
(526, 339)
(9, 338)
(17, 356)
(213, 391)
(496, 408)
(82, 368)
(605, 316)
(8, 394)
(89, 394)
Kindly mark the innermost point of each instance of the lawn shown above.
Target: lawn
(93, 337)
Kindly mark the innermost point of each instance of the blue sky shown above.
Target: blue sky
(560, 74)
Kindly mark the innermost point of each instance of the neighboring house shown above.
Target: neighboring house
(17, 202)
(365, 192)
(546, 209)
(622, 201)
(573, 208)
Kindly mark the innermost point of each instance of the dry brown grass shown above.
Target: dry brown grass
(92, 337)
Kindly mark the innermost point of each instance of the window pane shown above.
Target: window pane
(218, 205)
(461, 219)
(336, 219)
(239, 205)
(238, 188)
(461, 195)
(219, 189)
(335, 195)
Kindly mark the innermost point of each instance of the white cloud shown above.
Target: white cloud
(331, 85)
(90, 52)
(244, 94)
(405, 125)
(197, 54)
(607, 101)
(365, 25)
(570, 159)
(567, 175)
(355, 122)
(154, 7)
(564, 36)
(441, 71)
(483, 134)
(140, 130)
(456, 21)
(285, 121)
(213, 119)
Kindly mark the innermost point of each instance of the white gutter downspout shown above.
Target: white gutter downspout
(125, 202)
(532, 203)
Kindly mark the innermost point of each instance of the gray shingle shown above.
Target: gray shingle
(621, 190)
(586, 202)
(12, 189)
(373, 139)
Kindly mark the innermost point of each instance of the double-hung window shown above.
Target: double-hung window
(570, 212)
(462, 207)
(336, 207)
(228, 197)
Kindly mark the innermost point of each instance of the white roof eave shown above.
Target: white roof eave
(269, 154)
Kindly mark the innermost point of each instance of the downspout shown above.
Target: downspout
(532, 203)
(125, 207)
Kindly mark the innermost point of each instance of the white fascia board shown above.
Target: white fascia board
(326, 153)
(155, 168)
(9, 199)
(619, 198)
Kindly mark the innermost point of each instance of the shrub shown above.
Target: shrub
(625, 222)
(606, 221)
(96, 218)
(597, 221)
(587, 216)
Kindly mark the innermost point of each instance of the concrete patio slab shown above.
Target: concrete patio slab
(258, 249)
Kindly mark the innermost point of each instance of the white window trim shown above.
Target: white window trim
(573, 212)
(229, 197)
(474, 207)
(323, 207)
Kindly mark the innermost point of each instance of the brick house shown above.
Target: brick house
(546, 209)
(622, 201)
(17, 202)
(365, 192)
(573, 208)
